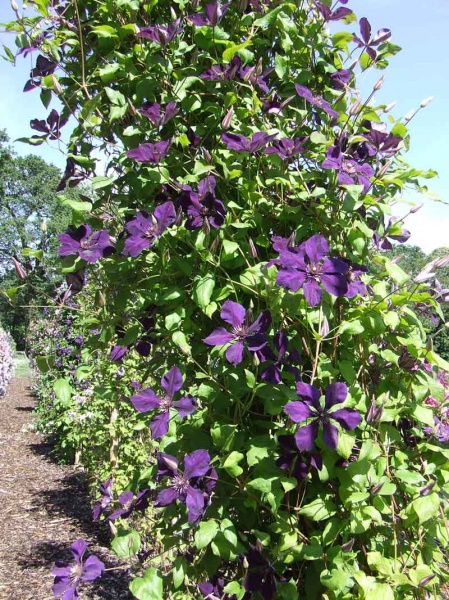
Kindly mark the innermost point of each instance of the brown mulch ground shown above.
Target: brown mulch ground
(44, 508)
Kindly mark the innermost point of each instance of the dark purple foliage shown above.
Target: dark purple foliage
(243, 331)
(69, 577)
(144, 229)
(340, 79)
(90, 246)
(147, 400)
(309, 409)
(51, 126)
(332, 15)
(260, 575)
(297, 465)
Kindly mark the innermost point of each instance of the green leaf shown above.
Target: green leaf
(202, 290)
(148, 587)
(352, 327)
(79, 205)
(178, 570)
(62, 390)
(101, 181)
(231, 464)
(336, 580)
(181, 341)
(319, 509)
(126, 543)
(205, 533)
(396, 273)
(104, 31)
(45, 363)
(281, 63)
(115, 97)
(234, 49)
(425, 507)
(268, 19)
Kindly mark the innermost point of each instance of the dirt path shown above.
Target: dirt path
(44, 508)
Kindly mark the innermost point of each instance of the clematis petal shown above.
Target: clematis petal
(234, 354)
(335, 394)
(233, 313)
(316, 248)
(290, 279)
(185, 406)
(78, 549)
(308, 393)
(312, 292)
(348, 418)
(165, 215)
(305, 436)
(145, 401)
(330, 435)
(93, 568)
(166, 497)
(219, 337)
(299, 411)
(159, 425)
(172, 381)
(196, 464)
(195, 504)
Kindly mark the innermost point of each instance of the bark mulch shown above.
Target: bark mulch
(44, 508)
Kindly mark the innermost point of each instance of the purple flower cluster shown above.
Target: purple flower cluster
(89, 245)
(203, 208)
(145, 229)
(69, 577)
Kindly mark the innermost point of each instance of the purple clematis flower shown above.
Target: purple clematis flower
(440, 431)
(332, 15)
(225, 71)
(161, 34)
(298, 466)
(256, 77)
(152, 110)
(242, 331)
(379, 142)
(308, 266)
(316, 101)
(203, 208)
(260, 575)
(349, 170)
(51, 127)
(187, 486)
(69, 577)
(129, 504)
(273, 372)
(367, 42)
(393, 231)
(150, 153)
(215, 11)
(235, 141)
(117, 353)
(213, 589)
(90, 246)
(340, 78)
(147, 400)
(145, 228)
(286, 148)
(105, 500)
(310, 408)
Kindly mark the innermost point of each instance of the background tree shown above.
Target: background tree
(31, 216)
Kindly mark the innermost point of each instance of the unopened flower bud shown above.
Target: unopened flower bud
(249, 74)
(424, 276)
(226, 122)
(44, 225)
(206, 155)
(324, 327)
(429, 344)
(389, 107)
(442, 262)
(427, 489)
(425, 580)
(384, 169)
(215, 244)
(252, 248)
(410, 115)
(416, 208)
(379, 84)
(347, 547)
(206, 227)
(426, 101)
(376, 489)
(173, 14)
(20, 271)
(167, 255)
(242, 5)
(56, 85)
(100, 299)
(355, 108)
(374, 413)
(14, 6)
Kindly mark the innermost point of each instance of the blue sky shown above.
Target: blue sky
(420, 70)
